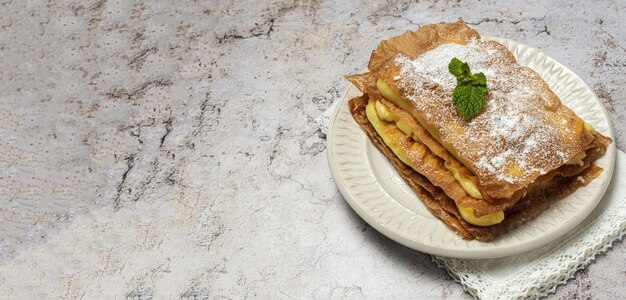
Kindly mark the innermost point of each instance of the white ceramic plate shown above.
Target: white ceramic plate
(371, 186)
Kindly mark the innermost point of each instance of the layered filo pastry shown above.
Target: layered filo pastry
(481, 175)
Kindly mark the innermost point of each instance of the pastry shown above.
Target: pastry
(479, 175)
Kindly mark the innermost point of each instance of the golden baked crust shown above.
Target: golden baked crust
(518, 148)
(430, 159)
(513, 141)
(443, 207)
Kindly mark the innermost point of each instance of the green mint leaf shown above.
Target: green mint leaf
(460, 69)
(479, 79)
(468, 99)
(467, 74)
(455, 67)
(469, 95)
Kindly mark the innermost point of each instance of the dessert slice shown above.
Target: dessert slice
(524, 145)
(437, 199)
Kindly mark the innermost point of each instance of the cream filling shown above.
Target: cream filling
(513, 169)
(577, 159)
(393, 129)
(462, 175)
(393, 96)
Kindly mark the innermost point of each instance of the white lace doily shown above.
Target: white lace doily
(538, 272)
(324, 118)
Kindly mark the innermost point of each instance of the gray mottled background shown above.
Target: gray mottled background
(168, 150)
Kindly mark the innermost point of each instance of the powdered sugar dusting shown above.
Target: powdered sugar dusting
(434, 64)
(516, 137)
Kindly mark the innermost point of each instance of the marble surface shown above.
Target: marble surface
(168, 150)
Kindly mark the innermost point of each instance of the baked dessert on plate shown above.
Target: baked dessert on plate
(483, 141)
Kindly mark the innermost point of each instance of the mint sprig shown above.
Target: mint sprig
(468, 97)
